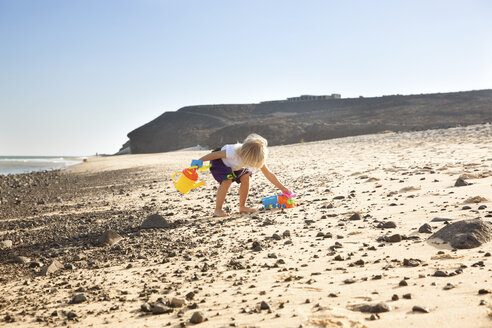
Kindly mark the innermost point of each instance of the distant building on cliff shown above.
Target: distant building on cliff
(310, 97)
(305, 98)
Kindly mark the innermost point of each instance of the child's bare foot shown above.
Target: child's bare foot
(246, 210)
(221, 213)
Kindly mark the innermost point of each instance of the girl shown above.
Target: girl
(232, 163)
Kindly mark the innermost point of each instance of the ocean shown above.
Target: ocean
(27, 164)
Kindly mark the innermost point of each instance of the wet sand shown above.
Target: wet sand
(311, 266)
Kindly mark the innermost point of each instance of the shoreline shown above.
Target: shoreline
(302, 278)
(12, 165)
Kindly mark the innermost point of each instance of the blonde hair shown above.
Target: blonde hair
(254, 151)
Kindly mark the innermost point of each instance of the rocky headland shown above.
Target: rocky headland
(288, 122)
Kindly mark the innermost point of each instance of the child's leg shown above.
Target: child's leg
(243, 195)
(221, 195)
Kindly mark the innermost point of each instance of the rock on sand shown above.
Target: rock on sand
(51, 268)
(371, 308)
(5, 244)
(465, 234)
(109, 238)
(154, 221)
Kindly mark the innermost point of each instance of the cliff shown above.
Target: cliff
(285, 122)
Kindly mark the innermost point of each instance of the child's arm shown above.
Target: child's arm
(213, 155)
(272, 178)
(208, 157)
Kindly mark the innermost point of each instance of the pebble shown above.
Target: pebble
(161, 309)
(422, 309)
(394, 238)
(246, 310)
(6, 244)
(339, 258)
(177, 302)
(80, 257)
(22, 259)
(276, 236)
(71, 315)
(373, 308)
(35, 264)
(449, 286)
(155, 221)
(256, 246)
(145, 308)
(440, 220)
(461, 183)
(197, 317)
(109, 238)
(79, 298)
(411, 262)
(425, 228)
(51, 268)
(264, 306)
(478, 264)
(355, 217)
(9, 318)
(328, 235)
(389, 225)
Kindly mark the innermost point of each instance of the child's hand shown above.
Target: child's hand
(196, 162)
(289, 193)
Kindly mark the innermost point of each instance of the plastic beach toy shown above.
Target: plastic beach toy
(188, 179)
(285, 200)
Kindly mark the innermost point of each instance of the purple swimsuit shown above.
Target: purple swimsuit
(222, 172)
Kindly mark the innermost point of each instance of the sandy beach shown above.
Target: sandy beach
(316, 265)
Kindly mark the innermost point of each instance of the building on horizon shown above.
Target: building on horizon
(305, 98)
(311, 97)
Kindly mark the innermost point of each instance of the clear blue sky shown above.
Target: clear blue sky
(77, 76)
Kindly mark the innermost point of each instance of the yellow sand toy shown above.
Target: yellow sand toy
(188, 179)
